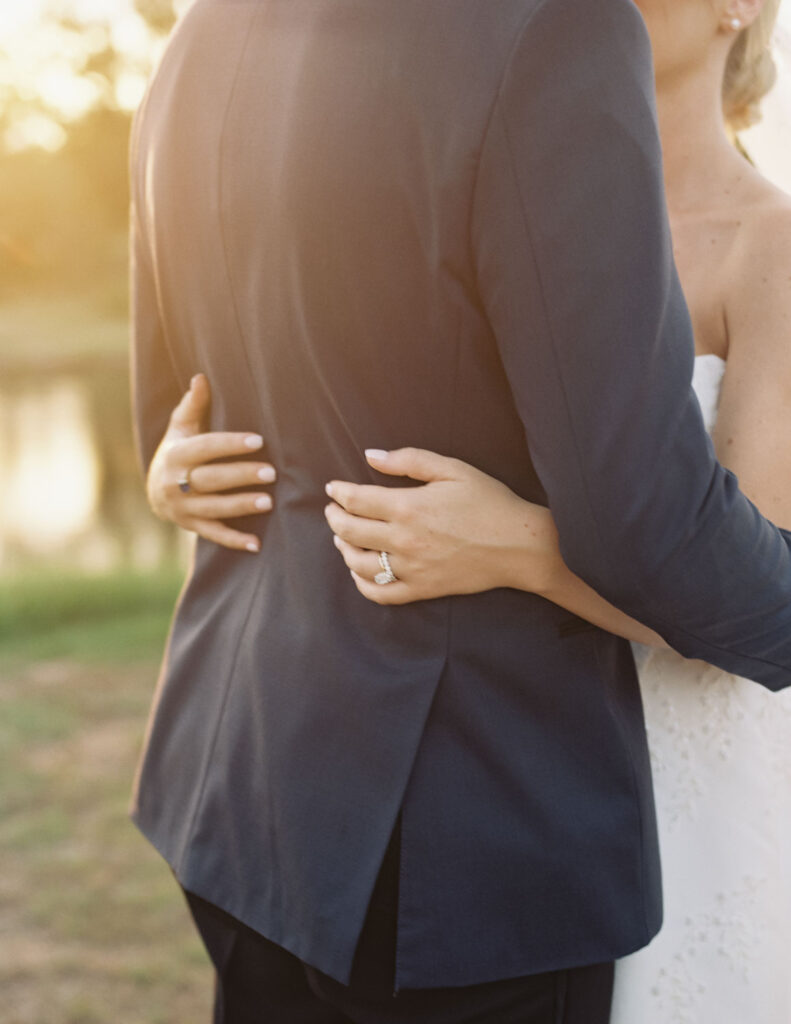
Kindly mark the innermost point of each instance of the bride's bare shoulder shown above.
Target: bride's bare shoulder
(766, 238)
(759, 299)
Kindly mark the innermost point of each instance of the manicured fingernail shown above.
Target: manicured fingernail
(254, 441)
(252, 546)
(336, 540)
(328, 489)
(267, 474)
(194, 380)
(376, 454)
(264, 502)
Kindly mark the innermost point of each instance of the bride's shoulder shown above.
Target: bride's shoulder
(758, 305)
(766, 228)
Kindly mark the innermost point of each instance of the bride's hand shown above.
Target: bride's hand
(461, 533)
(186, 453)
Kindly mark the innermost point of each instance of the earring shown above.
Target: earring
(736, 24)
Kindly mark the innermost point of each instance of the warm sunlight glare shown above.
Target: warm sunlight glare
(41, 63)
(55, 462)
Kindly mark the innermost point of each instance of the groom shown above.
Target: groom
(436, 223)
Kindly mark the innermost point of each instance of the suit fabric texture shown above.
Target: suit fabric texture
(441, 223)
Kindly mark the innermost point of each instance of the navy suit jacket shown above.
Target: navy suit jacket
(441, 223)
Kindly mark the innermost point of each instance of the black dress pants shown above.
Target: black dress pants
(258, 982)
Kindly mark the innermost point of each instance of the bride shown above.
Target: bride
(721, 746)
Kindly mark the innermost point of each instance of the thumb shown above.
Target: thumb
(188, 415)
(416, 463)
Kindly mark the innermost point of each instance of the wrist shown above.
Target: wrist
(533, 562)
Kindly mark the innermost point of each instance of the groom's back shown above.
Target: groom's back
(305, 180)
(309, 170)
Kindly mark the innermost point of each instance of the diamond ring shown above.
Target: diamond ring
(184, 483)
(387, 575)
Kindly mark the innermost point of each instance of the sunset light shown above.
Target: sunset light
(54, 62)
(243, 241)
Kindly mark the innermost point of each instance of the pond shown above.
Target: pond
(72, 493)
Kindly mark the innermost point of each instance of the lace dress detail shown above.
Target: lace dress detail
(721, 756)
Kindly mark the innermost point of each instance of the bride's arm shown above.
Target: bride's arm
(461, 533)
(753, 432)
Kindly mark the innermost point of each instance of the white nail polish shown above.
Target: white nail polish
(254, 441)
(376, 454)
(328, 489)
(263, 503)
(267, 475)
(336, 540)
(253, 547)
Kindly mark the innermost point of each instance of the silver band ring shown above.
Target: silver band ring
(184, 483)
(387, 575)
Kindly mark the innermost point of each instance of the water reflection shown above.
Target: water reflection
(50, 466)
(71, 490)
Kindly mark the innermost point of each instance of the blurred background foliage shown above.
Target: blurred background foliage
(92, 926)
(71, 74)
(63, 174)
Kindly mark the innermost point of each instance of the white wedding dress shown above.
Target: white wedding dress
(721, 756)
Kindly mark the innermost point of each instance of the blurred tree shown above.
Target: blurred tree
(64, 128)
(159, 14)
(63, 213)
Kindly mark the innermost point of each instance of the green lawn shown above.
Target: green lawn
(92, 925)
(117, 617)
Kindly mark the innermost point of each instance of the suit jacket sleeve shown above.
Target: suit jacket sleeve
(155, 385)
(575, 269)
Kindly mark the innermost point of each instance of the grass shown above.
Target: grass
(92, 925)
(121, 616)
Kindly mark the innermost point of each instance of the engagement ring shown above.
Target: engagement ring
(387, 575)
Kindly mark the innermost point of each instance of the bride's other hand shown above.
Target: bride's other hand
(461, 533)
(186, 452)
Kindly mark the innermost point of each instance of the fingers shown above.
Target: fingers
(389, 594)
(362, 533)
(201, 387)
(188, 415)
(224, 476)
(365, 563)
(191, 451)
(224, 535)
(225, 506)
(365, 500)
(416, 463)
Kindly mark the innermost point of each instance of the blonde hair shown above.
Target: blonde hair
(750, 72)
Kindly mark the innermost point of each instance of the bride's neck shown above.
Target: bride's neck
(698, 155)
